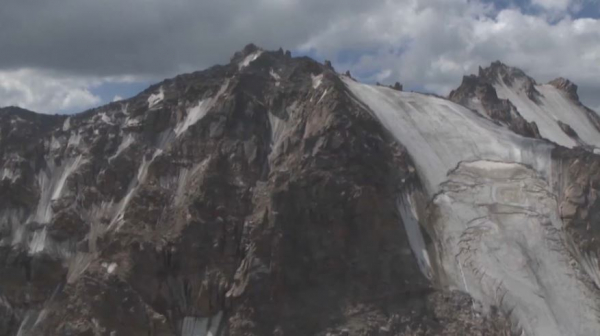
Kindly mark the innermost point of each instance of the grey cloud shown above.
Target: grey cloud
(116, 37)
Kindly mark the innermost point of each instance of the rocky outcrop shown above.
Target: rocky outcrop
(478, 94)
(253, 198)
(577, 173)
(500, 72)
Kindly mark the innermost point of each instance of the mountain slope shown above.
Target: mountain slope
(554, 107)
(254, 198)
(273, 196)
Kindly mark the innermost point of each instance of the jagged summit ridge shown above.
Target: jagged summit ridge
(553, 109)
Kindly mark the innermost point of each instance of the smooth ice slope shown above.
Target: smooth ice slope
(494, 215)
(439, 134)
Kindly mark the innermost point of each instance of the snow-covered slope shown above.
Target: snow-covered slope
(493, 212)
(547, 109)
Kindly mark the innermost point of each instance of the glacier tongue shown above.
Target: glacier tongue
(493, 215)
(502, 236)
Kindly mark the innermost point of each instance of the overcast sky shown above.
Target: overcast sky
(69, 55)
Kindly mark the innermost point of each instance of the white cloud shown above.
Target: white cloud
(560, 5)
(426, 44)
(45, 92)
(441, 40)
(117, 98)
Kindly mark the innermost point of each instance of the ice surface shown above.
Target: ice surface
(494, 214)
(503, 244)
(439, 134)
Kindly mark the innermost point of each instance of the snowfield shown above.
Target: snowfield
(553, 105)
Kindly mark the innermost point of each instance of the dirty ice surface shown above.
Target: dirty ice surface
(496, 222)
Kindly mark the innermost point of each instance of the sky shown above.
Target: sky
(70, 55)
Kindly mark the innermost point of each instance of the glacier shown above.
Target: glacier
(491, 210)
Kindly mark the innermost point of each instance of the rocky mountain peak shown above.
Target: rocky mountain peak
(478, 93)
(567, 86)
(507, 73)
(274, 196)
(246, 51)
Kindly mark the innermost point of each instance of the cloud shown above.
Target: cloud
(429, 45)
(45, 92)
(426, 44)
(553, 4)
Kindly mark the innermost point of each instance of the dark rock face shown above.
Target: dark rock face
(254, 198)
(567, 86)
(570, 90)
(578, 172)
(477, 93)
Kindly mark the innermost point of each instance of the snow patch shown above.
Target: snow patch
(199, 111)
(156, 98)
(274, 75)
(249, 59)
(316, 81)
(67, 124)
(38, 242)
(127, 141)
(69, 169)
(193, 116)
(132, 189)
(110, 268)
(415, 236)
(51, 182)
(201, 326)
(105, 118)
(8, 174)
(74, 140)
(323, 95)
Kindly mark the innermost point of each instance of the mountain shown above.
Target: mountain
(274, 196)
